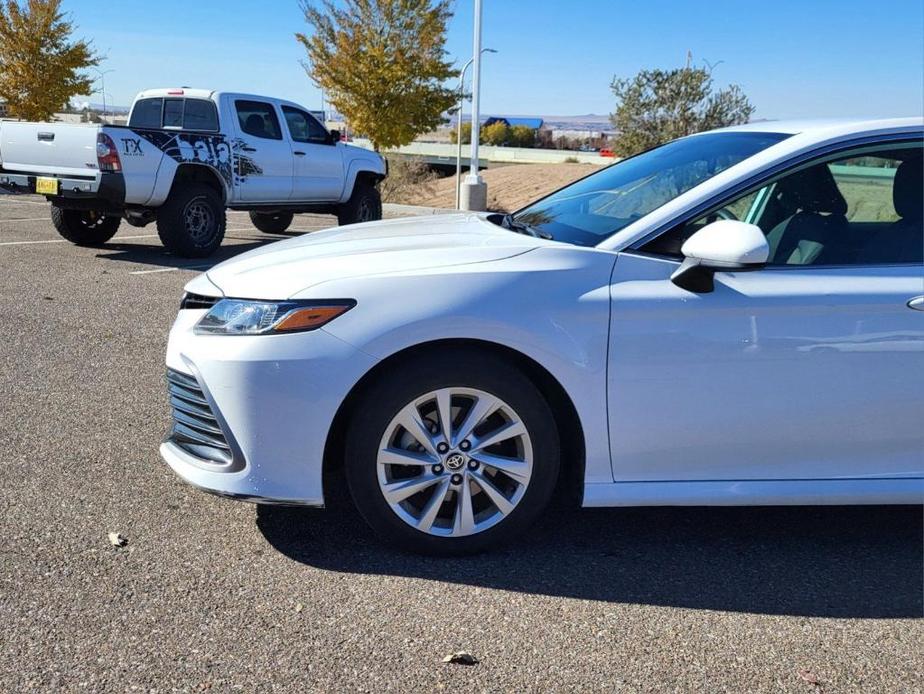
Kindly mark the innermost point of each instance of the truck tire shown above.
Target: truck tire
(271, 222)
(364, 205)
(84, 227)
(191, 223)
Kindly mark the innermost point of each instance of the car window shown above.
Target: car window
(173, 113)
(303, 127)
(862, 207)
(146, 113)
(258, 118)
(590, 210)
(200, 114)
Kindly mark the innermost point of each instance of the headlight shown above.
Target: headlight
(244, 317)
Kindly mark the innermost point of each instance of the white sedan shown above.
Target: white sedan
(736, 317)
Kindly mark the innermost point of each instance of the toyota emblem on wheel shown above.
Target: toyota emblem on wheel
(456, 461)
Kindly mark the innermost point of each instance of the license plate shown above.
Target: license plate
(46, 186)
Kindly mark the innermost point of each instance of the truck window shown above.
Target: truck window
(303, 127)
(173, 113)
(200, 114)
(146, 113)
(258, 118)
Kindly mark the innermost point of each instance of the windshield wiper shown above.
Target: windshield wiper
(508, 221)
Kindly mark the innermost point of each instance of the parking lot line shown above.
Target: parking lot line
(29, 243)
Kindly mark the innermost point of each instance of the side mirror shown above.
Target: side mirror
(334, 136)
(720, 246)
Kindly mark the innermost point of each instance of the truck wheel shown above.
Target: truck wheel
(191, 223)
(364, 205)
(84, 227)
(271, 222)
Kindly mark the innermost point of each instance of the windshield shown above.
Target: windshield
(598, 206)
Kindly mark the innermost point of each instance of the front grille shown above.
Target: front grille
(198, 301)
(195, 427)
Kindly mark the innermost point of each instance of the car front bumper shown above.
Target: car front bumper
(274, 397)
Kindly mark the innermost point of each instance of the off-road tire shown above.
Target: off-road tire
(364, 205)
(84, 227)
(271, 222)
(191, 223)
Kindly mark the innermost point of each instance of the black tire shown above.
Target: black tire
(459, 368)
(364, 205)
(84, 227)
(191, 223)
(271, 222)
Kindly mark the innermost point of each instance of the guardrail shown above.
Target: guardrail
(439, 152)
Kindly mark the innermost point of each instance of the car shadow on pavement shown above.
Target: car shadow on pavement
(859, 561)
(156, 255)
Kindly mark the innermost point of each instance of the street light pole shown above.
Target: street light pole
(459, 124)
(474, 193)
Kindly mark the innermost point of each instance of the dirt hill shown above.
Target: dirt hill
(509, 187)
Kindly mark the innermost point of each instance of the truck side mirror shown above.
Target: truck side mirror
(334, 136)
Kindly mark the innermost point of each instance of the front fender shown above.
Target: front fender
(550, 304)
(360, 165)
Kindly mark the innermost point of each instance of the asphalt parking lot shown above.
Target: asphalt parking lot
(214, 594)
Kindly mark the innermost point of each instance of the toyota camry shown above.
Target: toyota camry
(735, 317)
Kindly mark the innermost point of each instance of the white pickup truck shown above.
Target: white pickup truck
(185, 157)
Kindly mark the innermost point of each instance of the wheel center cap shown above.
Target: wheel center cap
(455, 461)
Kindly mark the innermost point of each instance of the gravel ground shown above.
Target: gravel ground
(214, 594)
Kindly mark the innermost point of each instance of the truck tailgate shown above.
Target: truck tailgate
(60, 149)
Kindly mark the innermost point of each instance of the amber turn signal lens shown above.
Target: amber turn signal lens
(309, 318)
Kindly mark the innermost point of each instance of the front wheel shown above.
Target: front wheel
(364, 205)
(452, 454)
(84, 227)
(191, 223)
(271, 222)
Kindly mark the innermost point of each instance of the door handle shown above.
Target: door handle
(248, 149)
(45, 137)
(917, 303)
(299, 154)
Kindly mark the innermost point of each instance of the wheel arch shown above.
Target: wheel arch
(571, 431)
(200, 173)
(360, 171)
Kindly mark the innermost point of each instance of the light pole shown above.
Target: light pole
(102, 79)
(459, 125)
(474, 193)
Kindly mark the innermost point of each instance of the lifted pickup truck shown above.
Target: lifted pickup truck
(185, 157)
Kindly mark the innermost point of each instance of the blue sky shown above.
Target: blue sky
(794, 58)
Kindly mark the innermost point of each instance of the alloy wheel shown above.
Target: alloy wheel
(454, 462)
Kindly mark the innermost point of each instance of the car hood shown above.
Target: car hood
(281, 270)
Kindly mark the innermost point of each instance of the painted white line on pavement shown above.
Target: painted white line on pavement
(29, 243)
(27, 219)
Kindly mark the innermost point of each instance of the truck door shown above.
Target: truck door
(262, 156)
(318, 160)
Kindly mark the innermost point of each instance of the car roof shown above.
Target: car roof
(811, 125)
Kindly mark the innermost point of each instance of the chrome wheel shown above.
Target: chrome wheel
(199, 219)
(454, 462)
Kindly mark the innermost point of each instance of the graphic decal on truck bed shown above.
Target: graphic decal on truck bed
(213, 150)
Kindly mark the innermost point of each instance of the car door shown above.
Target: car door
(262, 156)
(318, 161)
(809, 368)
